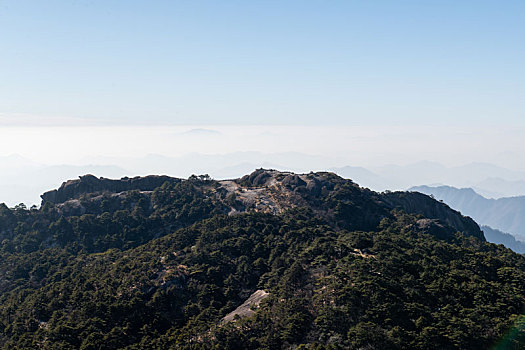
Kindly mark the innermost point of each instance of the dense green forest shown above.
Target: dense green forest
(344, 268)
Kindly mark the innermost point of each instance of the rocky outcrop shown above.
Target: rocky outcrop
(257, 178)
(435, 228)
(293, 180)
(418, 203)
(247, 308)
(73, 189)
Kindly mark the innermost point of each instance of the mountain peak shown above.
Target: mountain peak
(328, 195)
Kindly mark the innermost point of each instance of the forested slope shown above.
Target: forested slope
(344, 267)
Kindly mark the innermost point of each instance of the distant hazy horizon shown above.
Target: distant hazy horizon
(37, 159)
(341, 145)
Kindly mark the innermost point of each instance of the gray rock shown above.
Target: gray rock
(73, 189)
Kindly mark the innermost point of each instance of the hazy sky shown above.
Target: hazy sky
(347, 145)
(78, 62)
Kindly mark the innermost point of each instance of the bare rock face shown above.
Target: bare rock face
(247, 308)
(257, 178)
(435, 228)
(314, 187)
(73, 189)
(293, 180)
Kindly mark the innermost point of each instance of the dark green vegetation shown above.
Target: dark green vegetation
(344, 268)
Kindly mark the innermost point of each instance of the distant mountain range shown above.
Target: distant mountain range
(508, 240)
(23, 180)
(495, 187)
(487, 179)
(505, 214)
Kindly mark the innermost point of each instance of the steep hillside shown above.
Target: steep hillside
(506, 214)
(273, 260)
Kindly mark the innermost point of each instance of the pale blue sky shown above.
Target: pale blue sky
(263, 62)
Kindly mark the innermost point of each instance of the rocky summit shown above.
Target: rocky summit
(267, 191)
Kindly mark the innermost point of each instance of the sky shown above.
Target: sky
(128, 87)
(328, 63)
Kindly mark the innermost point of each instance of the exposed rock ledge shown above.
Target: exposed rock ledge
(246, 309)
(73, 189)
